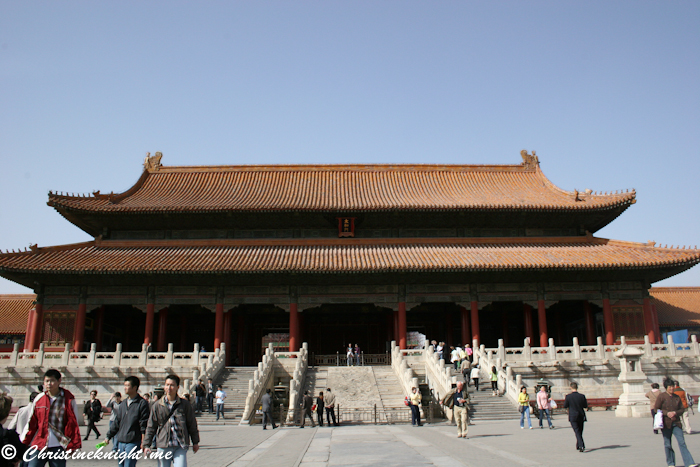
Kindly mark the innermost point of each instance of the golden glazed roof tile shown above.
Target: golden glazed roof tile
(344, 256)
(14, 310)
(677, 306)
(373, 187)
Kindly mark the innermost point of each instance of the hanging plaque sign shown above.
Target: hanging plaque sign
(346, 226)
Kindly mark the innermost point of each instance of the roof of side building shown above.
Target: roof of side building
(14, 310)
(677, 306)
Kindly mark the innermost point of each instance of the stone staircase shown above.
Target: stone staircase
(389, 388)
(235, 383)
(484, 406)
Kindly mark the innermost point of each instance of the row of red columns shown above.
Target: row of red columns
(469, 325)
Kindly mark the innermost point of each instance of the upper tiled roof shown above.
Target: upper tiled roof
(346, 188)
(345, 256)
(14, 310)
(677, 306)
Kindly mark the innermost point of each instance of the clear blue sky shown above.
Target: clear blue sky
(607, 93)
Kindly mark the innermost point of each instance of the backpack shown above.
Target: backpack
(690, 399)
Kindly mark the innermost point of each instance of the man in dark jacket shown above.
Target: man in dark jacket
(306, 403)
(172, 423)
(267, 410)
(130, 422)
(200, 393)
(93, 413)
(576, 403)
(672, 407)
(457, 399)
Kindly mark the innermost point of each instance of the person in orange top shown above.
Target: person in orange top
(684, 400)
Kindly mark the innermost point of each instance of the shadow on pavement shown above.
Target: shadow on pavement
(612, 446)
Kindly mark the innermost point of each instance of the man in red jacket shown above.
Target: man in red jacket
(53, 424)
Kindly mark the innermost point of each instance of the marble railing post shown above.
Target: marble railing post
(648, 349)
(65, 359)
(91, 357)
(169, 356)
(14, 355)
(143, 358)
(40, 355)
(501, 350)
(601, 348)
(672, 345)
(118, 355)
(552, 349)
(577, 349)
(527, 350)
(694, 342)
(195, 355)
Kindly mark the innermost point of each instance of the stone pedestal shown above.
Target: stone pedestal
(632, 401)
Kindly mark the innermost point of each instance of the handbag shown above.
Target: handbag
(532, 410)
(521, 409)
(552, 404)
(659, 420)
(406, 401)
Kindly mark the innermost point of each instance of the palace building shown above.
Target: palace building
(338, 254)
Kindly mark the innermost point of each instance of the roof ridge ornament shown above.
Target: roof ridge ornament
(152, 163)
(530, 161)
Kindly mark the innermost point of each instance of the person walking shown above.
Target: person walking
(172, 425)
(576, 403)
(319, 408)
(672, 407)
(454, 357)
(680, 392)
(220, 398)
(415, 401)
(93, 414)
(267, 410)
(457, 399)
(350, 355)
(652, 395)
(440, 350)
(475, 376)
(306, 403)
(329, 400)
(130, 422)
(494, 381)
(12, 448)
(543, 401)
(113, 404)
(524, 407)
(358, 355)
(200, 392)
(20, 422)
(211, 395)
(469, 351)
(54, 422)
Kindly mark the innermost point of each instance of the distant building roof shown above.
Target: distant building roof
(14, 310)
(677, 306)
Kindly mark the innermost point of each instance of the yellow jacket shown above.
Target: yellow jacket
(416, 398)
(523, 399)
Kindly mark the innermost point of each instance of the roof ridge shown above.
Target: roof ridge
(11, 296)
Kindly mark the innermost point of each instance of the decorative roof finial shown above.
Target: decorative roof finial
(152, 162)
(530, 161)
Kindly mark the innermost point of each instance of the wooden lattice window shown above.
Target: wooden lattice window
(58, 328)
(629, 322)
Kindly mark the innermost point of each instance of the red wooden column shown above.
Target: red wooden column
(655, 315)
(219, 325)
(466, 326)
(150, 318)
(37, 333)
(649, 327)
(227, 336)
(79, 328)
(163, 330)
(590, 323)
(542, 319)
(396, 325)
(28, 335)
(293, 327)
(527, 315)
(402, 325)
(608, 321)
(475, 322)
(99, 326)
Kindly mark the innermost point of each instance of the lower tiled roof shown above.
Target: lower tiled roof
(14, 310)
(344, 256)
(677, 306)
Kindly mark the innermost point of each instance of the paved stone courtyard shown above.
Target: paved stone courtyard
(609, 440)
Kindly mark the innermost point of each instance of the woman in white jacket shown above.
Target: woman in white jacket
(475, 376)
